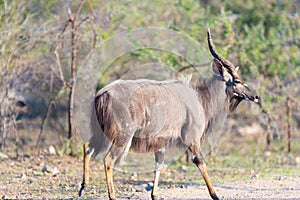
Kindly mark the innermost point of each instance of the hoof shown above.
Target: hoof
(81, 190)
(112, 197)
(214, 196)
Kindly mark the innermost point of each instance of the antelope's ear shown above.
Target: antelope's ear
(217, 67)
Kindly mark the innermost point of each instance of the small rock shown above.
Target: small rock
(267, 154)
(2, 155)
(55, 171)
(297, 159)
(140, 187)
(183, 168)
(189, 184)
(50, 150)
(254, 176)
(281, 178)
(22, 175)
(130, 189)
(35, 172)
(133, 176)
(93, 191)
(48, 169)
(149, 186)
(26, 156)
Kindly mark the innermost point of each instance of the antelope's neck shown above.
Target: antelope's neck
(213, 97)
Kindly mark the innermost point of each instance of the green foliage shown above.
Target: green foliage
(262, 29)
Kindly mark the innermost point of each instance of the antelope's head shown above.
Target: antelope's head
(236, 89)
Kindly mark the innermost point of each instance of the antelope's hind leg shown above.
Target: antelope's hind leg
(87, 153)
(109, 161)
(198, 160)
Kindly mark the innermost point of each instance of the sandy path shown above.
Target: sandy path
(283, 188)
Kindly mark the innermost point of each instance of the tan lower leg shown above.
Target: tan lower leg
(108, 165)
(155, 184)
(202, 168)
(86, 161)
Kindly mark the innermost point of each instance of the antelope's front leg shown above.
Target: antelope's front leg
(203, 170)
(198, 160)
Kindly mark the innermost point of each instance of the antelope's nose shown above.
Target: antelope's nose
(256, 99)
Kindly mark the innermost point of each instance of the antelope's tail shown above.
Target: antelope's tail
(99, 142)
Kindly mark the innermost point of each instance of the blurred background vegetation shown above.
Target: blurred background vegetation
(262, 37)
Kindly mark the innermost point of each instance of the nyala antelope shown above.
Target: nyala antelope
(129, 112)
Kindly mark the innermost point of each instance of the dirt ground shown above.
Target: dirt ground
(55, 177)
(237, 167)
(287, 188)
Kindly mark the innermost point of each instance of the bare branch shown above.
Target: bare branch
(63, 33)
(289, 121)
(61, 74)
(269, 120)
(73, 20)
(43, 124)
(77, 12)
(83, 20)
(69, 11)
(92, 23)
(73, 67)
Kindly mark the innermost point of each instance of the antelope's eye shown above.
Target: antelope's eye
(229, 83)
